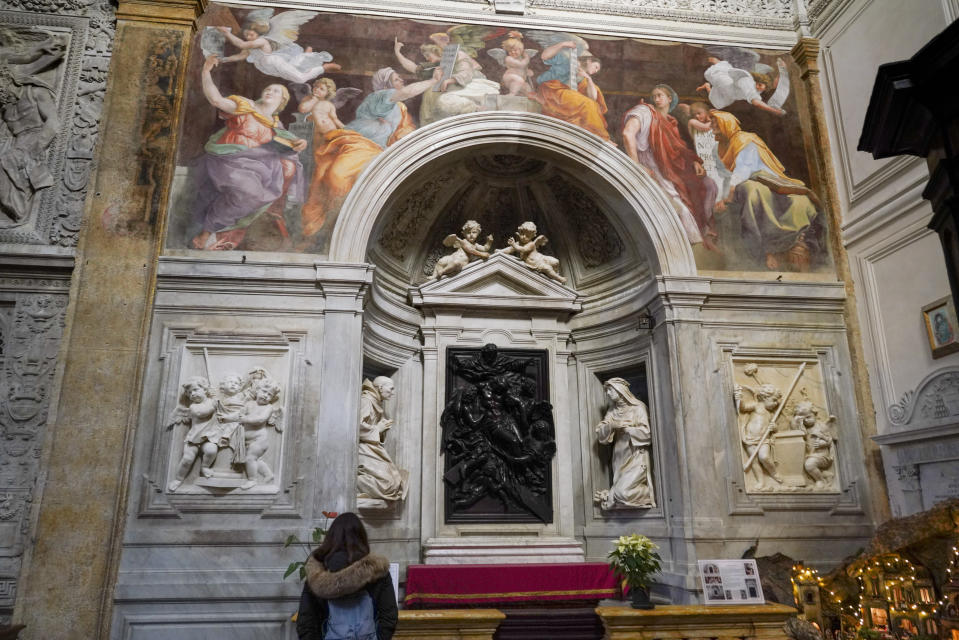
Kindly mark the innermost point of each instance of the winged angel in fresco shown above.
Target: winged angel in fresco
(515, 58)
(735, 73)
(269, 44)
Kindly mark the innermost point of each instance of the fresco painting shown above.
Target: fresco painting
(285, 109)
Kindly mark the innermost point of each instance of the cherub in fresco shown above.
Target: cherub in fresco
(735, 73)
(700, 128)
(527, 250)
(467, 250)
(517, 79)
(269, 44)
(322, 103)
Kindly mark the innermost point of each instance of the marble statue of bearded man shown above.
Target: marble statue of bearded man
(378, 478)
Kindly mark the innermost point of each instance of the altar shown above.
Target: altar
(497, 584)
(546, 600)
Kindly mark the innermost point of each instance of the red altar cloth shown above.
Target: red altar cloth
(488, 583)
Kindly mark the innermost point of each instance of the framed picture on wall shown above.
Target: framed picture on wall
(941, 326)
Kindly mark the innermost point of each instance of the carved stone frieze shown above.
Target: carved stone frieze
(61, 53)
(775, 14)
(49, 6)
(415, 213)
(935, 400)
(30, 332)
(596, 239)
(79, 159)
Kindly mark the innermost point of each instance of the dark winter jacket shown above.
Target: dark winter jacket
(371, 572)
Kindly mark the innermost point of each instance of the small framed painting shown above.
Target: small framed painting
(941, 326)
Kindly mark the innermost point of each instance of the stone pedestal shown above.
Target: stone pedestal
(501, 550)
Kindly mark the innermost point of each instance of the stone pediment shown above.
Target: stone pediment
(501, 282)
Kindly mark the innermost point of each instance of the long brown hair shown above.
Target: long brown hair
(346, 534)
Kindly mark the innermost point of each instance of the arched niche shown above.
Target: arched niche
(579, 190)
(639, 204)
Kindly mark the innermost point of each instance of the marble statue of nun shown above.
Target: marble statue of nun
(379, 479)
(626, 427)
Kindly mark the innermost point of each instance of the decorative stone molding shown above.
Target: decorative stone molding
(770, 14)
(935, 400)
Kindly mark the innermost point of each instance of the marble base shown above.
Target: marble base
(502, 550)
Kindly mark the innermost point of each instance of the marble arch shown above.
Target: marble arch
(666, 244)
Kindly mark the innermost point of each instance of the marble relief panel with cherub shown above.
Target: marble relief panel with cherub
(228, 422)
(786, 435)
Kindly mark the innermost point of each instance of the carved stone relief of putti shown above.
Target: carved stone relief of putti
(28, 109)
(379, 481)
(626, 426)
(467, 250)
(787, 438)
(232, 427)
(526, 247)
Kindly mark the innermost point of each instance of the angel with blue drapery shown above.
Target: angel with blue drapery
(269, 43)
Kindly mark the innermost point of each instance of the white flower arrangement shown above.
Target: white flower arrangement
(635, 559)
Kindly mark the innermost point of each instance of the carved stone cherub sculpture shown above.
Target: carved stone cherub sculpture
(757, 429)
(626, 427)
(259, 414)
(819, 442)
(207, 434)
(527, 250)
(379, 481)
(467, 250)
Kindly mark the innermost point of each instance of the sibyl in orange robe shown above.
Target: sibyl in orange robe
(575, 107)
(340, 156)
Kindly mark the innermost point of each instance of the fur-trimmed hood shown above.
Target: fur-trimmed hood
(335, 584)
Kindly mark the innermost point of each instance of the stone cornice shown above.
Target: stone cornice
(177, 12)
(806, 55)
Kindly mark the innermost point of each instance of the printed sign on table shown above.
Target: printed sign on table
(730, 582)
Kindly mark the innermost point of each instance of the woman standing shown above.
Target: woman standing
(348, 591)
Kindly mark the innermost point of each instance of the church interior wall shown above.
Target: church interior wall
(204, 560)
(884, 225)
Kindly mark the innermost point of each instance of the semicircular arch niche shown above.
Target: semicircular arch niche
(501, 186)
